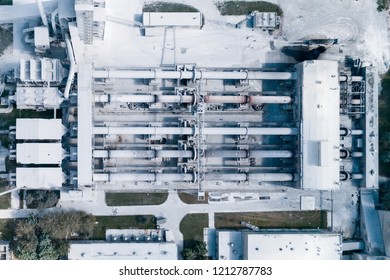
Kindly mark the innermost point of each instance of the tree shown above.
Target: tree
(46, 237)
(198, 252)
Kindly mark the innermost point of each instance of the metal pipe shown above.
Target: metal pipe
(213, 99)
(270, 154)
(195, 75)
(181, 177)
(357, 154)
(249, 131)
(345, 78)
(53, 21)
(42, 12)
(356, 176)
(271, 177)
(227, 177)
(72, 69)
(261, 99)
(357, 132)
(226, 154)
(143, 177)
(190, 154)
(110, 130)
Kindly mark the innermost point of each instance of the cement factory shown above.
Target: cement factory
(281, 136)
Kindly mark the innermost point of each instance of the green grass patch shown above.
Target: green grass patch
(273, 220)
(192, 198)
(129, 199)
(121, 222)
(5, 200)
(236, 8)
(164, 7)
(192, 227)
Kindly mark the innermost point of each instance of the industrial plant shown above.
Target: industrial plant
(135, 102)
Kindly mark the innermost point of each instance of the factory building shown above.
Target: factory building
(126, 244)
(206, 129)
(278, 245)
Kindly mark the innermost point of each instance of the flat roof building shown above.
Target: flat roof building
(96, 250)
(39, 129)
(319, 92)
(39, 178)
(39, 153)
(279, 245)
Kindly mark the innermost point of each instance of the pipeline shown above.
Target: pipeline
(190, 154)
(42, 12)
(180, 177)
(345, 78)
(53, 21)
(347, 132)
(110, 130)
(212, 99)
(72, 69)
(192, 75)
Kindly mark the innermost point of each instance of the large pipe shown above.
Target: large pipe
(213, 99)
(72, 69)
(143, 177)
(190, 154)
(110, 130)
(180, 177)
(53, 21)
(344, 78)
(42, 12)
(357, 132)
(346, 131)
(195, 75)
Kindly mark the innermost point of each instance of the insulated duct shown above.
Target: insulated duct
(111, 130)
(194, 75)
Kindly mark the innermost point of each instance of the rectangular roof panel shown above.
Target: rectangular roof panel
(292, 246)
(172, 19)
(39, 129)
(39, 153)
(320, 124)
(39, 178)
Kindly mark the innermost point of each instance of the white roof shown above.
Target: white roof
(39, 153)
(292, 246)
(122, 251)
(172, 19)
(39, 129)
(41, 36)
(31, 97)
(41, 177)
(229, 245)
(320, 124)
